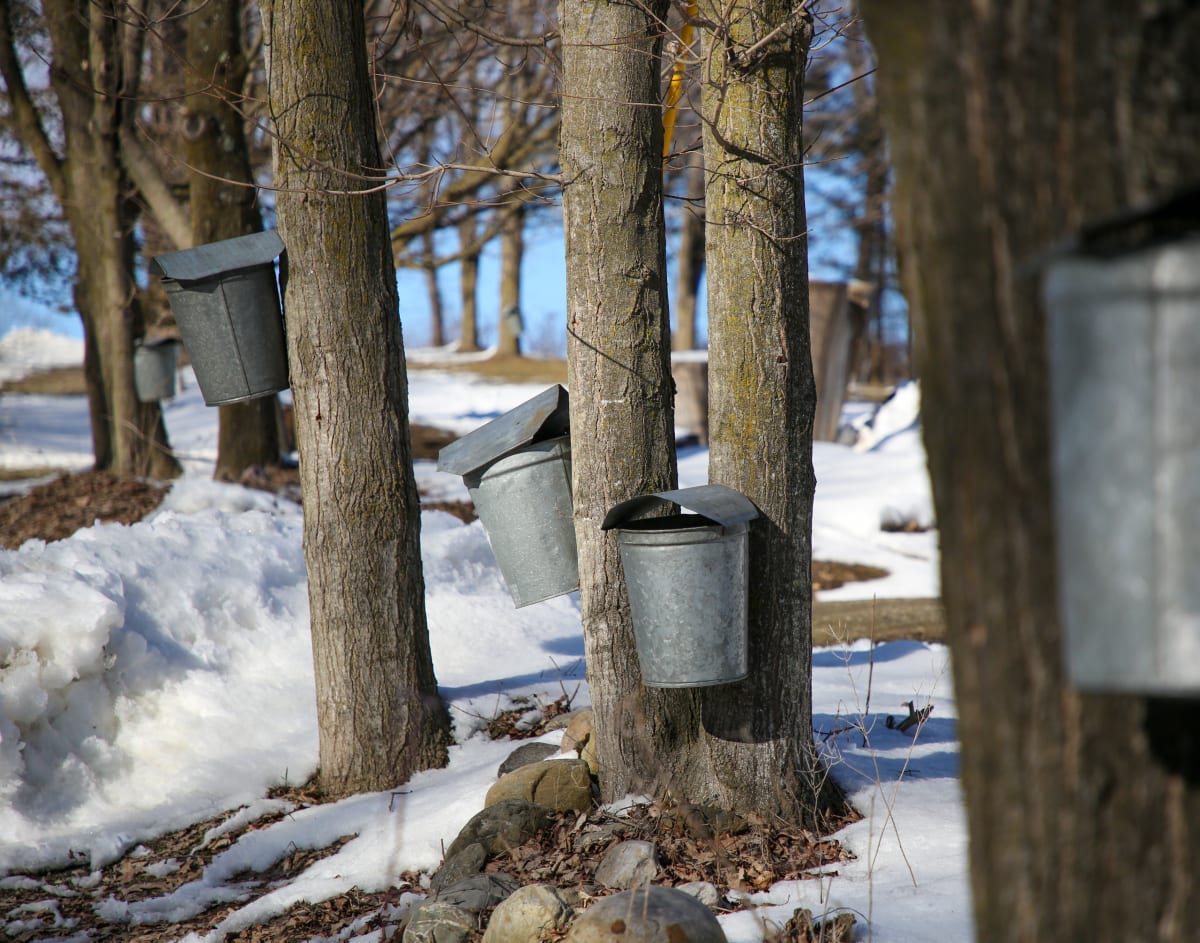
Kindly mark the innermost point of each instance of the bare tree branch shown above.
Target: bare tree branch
(25, 121)
(458, 18)
(171, 215)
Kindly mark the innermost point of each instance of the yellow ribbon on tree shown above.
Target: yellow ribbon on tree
(675, 90)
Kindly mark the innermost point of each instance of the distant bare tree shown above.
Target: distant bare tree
(468, 93)
(74, 133)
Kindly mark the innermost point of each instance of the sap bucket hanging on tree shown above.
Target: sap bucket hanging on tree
(687, 577)
(154, 366)
(1123, 315)
(517, 469)
(226, 302)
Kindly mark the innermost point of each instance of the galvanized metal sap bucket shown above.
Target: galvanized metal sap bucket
(1124, 345)
(154, 366)
(226, 302)
(517, 469)
(687, 577)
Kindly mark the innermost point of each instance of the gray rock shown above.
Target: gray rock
(438, 922)
(525, 754)
(478, 892)
(628, 864)
(528, 915)
(501, 827)
(464, 863)
(646, 915)
(704, 892)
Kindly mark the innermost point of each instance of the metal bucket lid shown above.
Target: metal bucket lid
(545, 416)
(219, 258)
(719, 504)
(1154, 226)
(153, 343)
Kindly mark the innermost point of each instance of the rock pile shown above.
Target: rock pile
(578, 875)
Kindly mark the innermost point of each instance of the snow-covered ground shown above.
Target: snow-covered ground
(154, 675)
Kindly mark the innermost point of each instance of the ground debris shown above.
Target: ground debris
(57, 509)
(803, 928)
(527, 718)
(750, 859)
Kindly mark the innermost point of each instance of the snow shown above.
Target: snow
(156, 675)
(24, 350)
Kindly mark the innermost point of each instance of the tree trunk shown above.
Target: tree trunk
(622, 426)
(868, 358)
(1009, 126)
(762, 396)
(512, 250)
(218, 155)
(468, 280)
(690, 259)
(87, 78)
(379, 712)
(437, 317)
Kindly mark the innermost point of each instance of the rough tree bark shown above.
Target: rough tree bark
(378, 710)
(216, 150)
(1010, 125)
(622, 425)
(762, 396)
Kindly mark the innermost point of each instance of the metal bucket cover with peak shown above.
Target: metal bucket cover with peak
(154, 366)
(226, 302)
(687, 576)
(517, 469)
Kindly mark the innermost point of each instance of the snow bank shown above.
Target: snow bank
(131, 659)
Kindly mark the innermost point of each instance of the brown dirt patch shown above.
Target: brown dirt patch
(830, 574)
(58, 381)
(57, 509)
(504, 367)
(427, 441)
(881, 620)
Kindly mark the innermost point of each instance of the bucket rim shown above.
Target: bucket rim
(718, 503)
(702, 529)
(694, 684)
